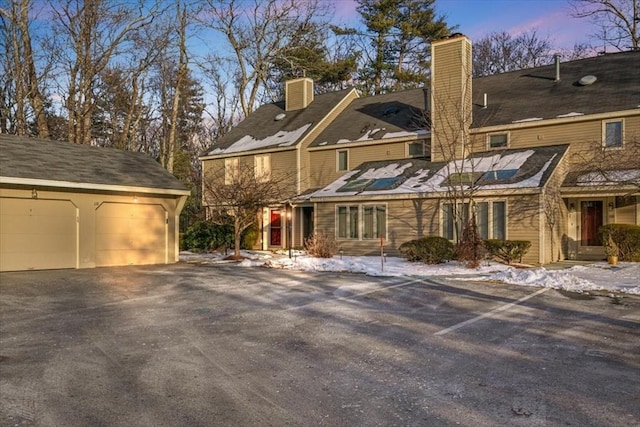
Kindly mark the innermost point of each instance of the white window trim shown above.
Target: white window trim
(360, 225)
(489, 135)
(489, 216)
(604, 133)
(338, 160)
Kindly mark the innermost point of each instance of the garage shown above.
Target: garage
(66, 206)
(131, 234)
(37, 234)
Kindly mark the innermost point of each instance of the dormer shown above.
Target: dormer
(298, 93)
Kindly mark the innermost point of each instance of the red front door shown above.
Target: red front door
(591, 212)
(275, 229)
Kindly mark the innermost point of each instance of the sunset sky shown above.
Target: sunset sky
(476, 18)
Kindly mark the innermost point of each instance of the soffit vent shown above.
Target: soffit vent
(587, 80)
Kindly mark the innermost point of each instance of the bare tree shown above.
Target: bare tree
(500, 52)
(237, 195)
(27, 79)
(94, 32)
(617, 21)
(258, 33)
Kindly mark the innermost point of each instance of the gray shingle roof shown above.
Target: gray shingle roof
(29, 158)
(530, 167)
(389, 114)
(261, 124)
(533, 93)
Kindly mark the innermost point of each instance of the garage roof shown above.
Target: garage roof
(32, 161)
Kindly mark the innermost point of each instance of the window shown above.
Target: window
(416, 149)
(490, 219)
(499, 140)
(263, 168)
(230, 170)
(343, 160)
(361, 222)
(612, 133)
(374, 219)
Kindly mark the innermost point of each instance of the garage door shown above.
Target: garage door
(131, 233)
(37, 234)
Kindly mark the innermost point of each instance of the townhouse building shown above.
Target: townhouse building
(547, 154)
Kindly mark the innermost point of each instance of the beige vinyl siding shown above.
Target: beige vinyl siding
(283, 164)
(323, 162)
(406, 220)
(584, 136)
(307, 160)
(523, 223)
(451, 93)
(628, 213)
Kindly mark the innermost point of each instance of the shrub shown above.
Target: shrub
(626, 237)
(430, 250)
(321, 245)
(250, 237)
(507, 250)
(203, 236)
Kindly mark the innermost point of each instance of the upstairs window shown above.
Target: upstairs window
(612, 133)
(342, 160)
(263, 168)
(231, 170)
(499, 140)
(416, 149)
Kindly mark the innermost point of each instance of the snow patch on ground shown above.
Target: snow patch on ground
(623, 278)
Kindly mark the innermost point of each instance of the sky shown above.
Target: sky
(597, 277)
(477, 18)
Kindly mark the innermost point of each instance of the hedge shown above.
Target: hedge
(430, 250)
(626, 237)
(507, 250)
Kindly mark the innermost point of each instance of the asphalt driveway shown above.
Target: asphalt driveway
(189, 345)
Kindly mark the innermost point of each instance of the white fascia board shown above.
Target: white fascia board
(364, 143)
(434, 195)
(246, 153)
(88, 186)
(556, 121)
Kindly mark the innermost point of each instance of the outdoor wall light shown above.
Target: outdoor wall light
(611, 206)
(572, 207)
(135, 199)
(34, 194)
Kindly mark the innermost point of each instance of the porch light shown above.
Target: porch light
(572, 207)
(611, 206)
(34, 194)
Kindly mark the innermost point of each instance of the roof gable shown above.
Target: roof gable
(270, 126)
(65, 164)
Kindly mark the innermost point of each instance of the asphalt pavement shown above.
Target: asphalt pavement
(194, 345)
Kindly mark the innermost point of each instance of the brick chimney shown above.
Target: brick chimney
(451, 106)
(298, 94)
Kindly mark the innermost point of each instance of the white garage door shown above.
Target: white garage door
(131, 233)
(37, 234)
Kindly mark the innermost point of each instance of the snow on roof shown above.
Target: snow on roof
(614, 177)
(532, 119)
(282, 138)
(390, 171)
(572, 114)
(425, 180)
(370, 135)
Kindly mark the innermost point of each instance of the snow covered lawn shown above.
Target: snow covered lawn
(599, 276)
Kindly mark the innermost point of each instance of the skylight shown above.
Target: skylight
(499, 175)
(355, 185)
(384, 183)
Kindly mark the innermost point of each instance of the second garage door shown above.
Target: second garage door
(131, 234)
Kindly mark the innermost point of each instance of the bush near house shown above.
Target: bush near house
(430, 250)
(507, 251)
(626, 237)
(321, 245)
(204, 236)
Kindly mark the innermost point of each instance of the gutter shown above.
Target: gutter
(31, 182)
